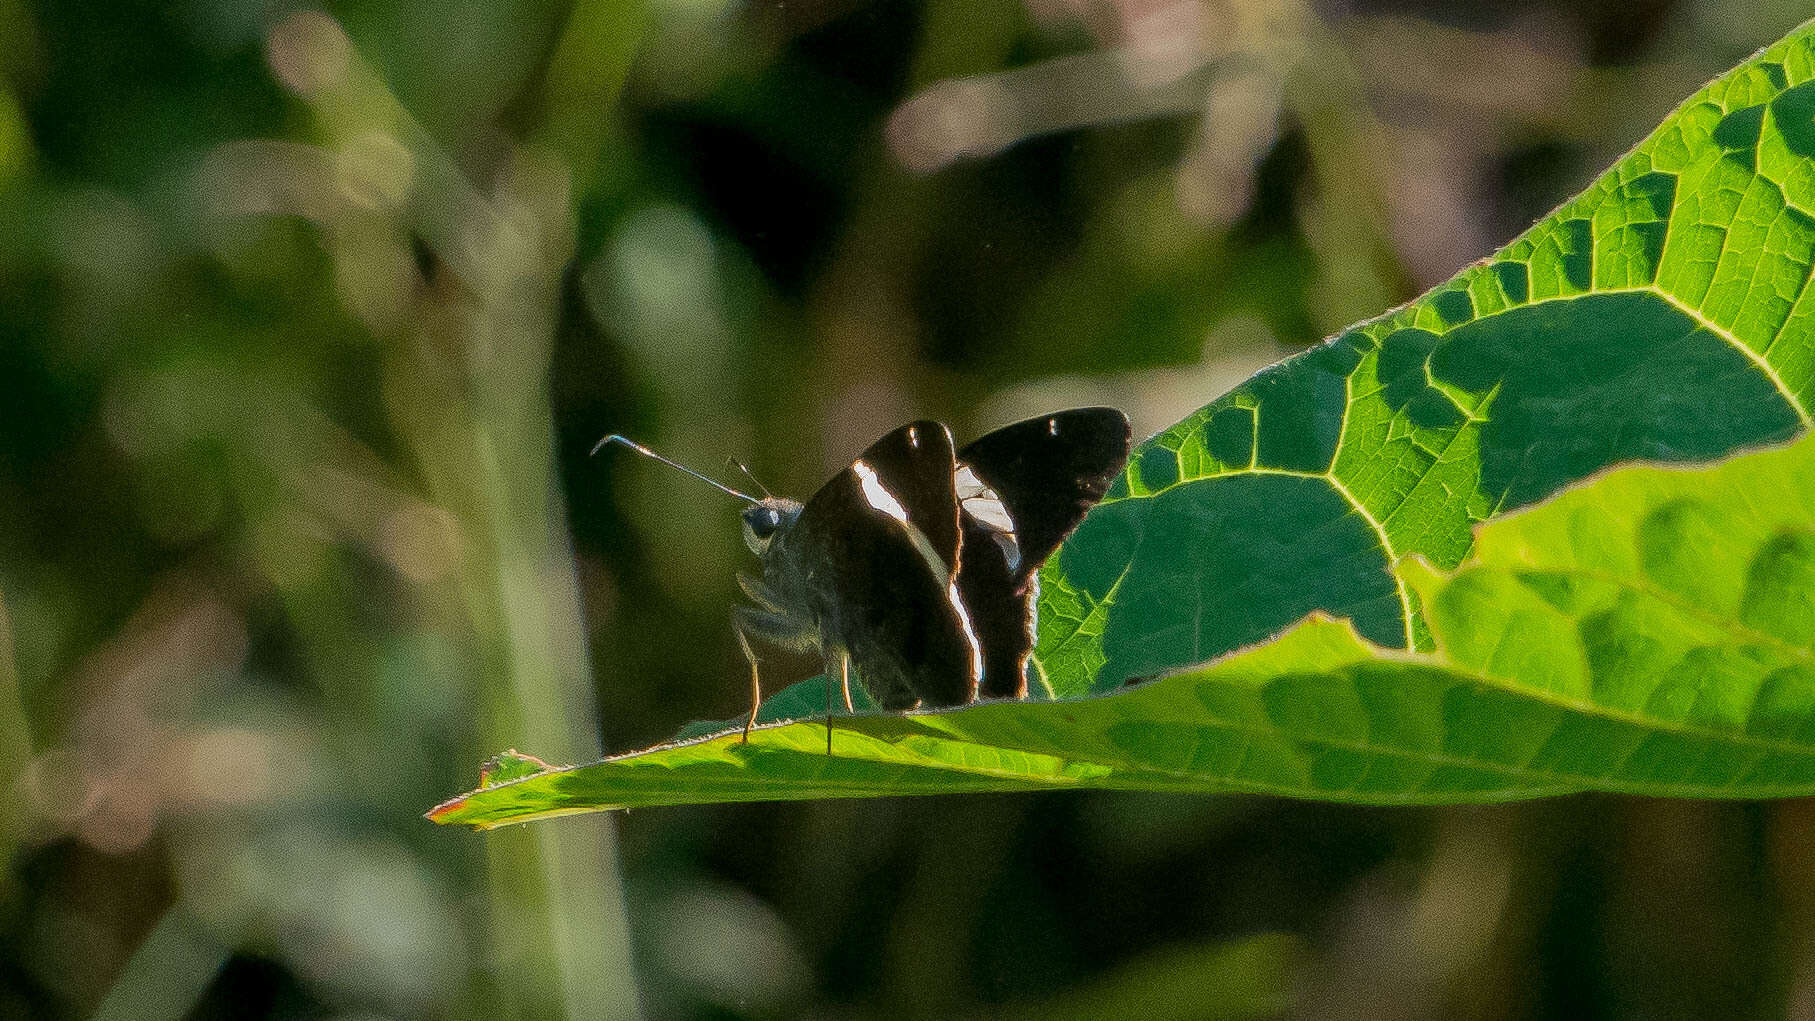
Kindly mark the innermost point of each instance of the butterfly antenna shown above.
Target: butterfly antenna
(742, 467)
(646, 452)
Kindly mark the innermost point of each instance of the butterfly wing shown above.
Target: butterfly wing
(1000, 609)
(1048, 472)
(1042, 476)
(877, 552)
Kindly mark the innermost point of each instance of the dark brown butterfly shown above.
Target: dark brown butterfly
(916, 565)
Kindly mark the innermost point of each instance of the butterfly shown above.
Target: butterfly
(915, 567)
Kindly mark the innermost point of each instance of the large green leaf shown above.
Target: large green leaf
(1662, 315)
(1650, 632)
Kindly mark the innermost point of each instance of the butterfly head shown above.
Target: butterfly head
(766, 519)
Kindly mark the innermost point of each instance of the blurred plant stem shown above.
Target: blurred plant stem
(15, 734)
(469, 395)
(469, 317)
(489, 461)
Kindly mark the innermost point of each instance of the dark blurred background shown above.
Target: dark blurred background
(308, 318)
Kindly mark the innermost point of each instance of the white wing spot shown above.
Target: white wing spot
(988, 510)
(981, 501)
(876, 495)
(1052, 427)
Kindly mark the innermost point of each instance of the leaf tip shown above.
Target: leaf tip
(444, 813)
(502, 768)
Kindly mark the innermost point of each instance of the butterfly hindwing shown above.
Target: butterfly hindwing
(1048, 472)
(876, 552)
(1042, 476)
(1000, 611)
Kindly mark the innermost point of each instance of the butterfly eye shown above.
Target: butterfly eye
(763, 521)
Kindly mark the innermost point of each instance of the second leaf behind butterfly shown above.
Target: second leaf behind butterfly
(916, 565)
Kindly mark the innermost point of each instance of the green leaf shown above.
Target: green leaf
(1651, 632)
(1662, 315)
(1679, 604)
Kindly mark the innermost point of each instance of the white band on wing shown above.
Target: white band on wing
(877, 495)
(988, 510)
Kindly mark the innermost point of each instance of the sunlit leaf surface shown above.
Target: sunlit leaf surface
(1663, 314)
(1649, 632)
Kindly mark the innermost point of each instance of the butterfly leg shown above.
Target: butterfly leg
(774, 628)
(844, 684)
(829, 710)
(756, 682)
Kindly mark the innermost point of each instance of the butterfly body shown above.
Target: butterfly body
(916, 565)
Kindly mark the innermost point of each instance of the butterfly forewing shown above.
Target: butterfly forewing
(875, 553)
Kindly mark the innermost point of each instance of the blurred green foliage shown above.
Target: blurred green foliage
(307, 319)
